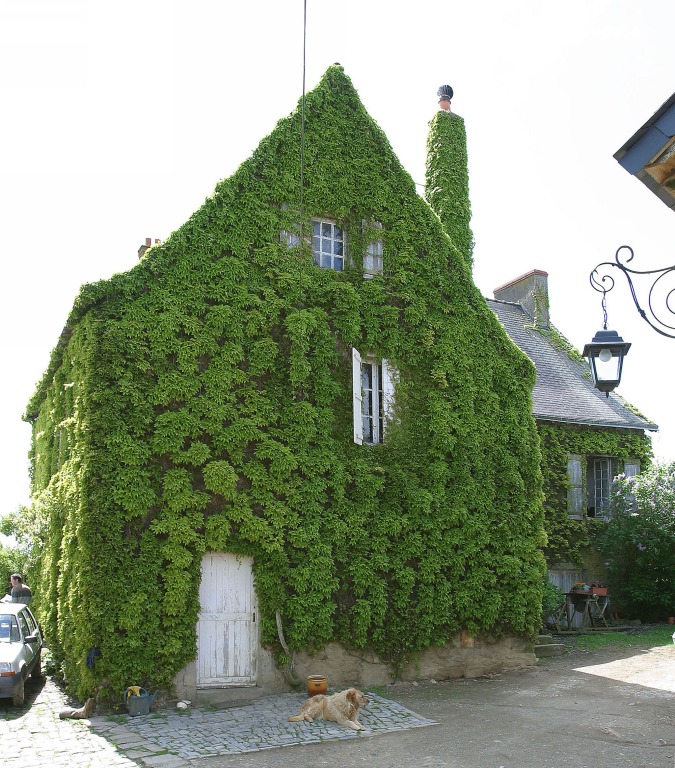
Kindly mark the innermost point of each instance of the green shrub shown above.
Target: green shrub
(551, 599)
(638, 541)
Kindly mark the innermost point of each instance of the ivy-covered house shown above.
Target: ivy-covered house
(293, 428)
(586, 437)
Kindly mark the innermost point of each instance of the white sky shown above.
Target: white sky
(118, 118)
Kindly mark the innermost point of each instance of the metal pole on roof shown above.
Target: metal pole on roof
(302, 129)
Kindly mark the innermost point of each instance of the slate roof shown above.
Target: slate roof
(563, 393)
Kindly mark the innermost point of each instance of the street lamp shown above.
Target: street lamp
(607, 350)
(605, 356)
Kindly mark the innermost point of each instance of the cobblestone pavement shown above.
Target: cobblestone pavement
(34, 737)
(169, 738)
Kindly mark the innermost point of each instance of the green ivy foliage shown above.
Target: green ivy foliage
(567, 538)
(202, 402)
(638, 541)
(447, 179)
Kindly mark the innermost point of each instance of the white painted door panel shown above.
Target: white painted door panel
(227, 629)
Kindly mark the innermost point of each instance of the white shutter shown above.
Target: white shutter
(575, 491)
(357, 397)
(631, 468)
(389, 377)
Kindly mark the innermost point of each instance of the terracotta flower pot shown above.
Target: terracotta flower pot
(316, 684)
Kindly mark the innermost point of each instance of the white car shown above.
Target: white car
(20, 650)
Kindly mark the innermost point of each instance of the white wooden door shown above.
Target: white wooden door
(227, 636)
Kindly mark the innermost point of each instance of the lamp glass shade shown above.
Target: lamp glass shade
(605, 356)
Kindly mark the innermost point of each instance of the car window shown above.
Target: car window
(32, 626)
(24, 626)
(9, 629)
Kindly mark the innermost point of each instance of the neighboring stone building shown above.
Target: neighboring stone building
(587, 438)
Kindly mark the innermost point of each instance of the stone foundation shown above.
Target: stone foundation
(465, 657)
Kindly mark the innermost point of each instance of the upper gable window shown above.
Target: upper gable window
(292, 239)
(328, 242)
(372, 261)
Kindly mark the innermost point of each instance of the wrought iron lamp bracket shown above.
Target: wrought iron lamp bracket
(657, 292)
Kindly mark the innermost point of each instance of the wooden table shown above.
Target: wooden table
(593, 607)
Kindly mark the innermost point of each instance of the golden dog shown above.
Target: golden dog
(341, 708)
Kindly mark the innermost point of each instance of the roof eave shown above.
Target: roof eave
(589, 423)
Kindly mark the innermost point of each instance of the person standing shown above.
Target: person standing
(21, 593)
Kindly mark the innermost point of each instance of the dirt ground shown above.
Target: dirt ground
(586, 709)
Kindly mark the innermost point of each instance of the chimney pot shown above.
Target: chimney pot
(445, 94)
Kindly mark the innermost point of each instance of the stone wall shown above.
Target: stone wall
(465, 657)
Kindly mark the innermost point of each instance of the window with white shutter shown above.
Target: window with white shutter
(373, 397)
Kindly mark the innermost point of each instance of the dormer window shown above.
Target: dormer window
(328, 242)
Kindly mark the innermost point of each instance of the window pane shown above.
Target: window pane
(326, 229)
(325, 261)
(338, 263)
(316, 228)
(337, 247)
(338, 233)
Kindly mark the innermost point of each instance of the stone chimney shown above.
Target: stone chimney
(148, 244)
(447, 174)
(531, 292)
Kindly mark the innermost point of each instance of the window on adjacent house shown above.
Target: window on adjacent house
(600, 472)
(373, 398)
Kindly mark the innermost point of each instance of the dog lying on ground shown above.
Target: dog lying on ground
(341, 708)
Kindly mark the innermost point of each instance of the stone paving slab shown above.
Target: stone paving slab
(262, 724)
(35, 736)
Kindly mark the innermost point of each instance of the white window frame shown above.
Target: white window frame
(329, 245)
(378, 401)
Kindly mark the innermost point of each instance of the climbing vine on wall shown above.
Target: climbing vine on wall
(447, 179)
(568, 538)
(202, 401)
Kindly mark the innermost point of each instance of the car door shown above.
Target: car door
(29, 650)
